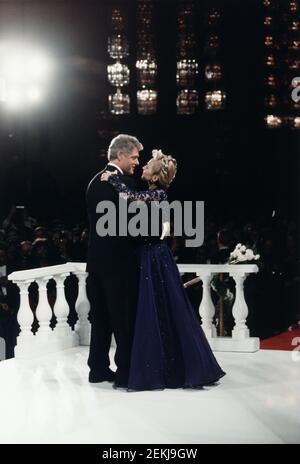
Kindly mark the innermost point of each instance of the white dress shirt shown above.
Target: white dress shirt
(115, 166)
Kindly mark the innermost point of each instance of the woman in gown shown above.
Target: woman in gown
(169, 348)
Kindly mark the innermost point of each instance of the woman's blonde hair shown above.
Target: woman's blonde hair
(165, 167)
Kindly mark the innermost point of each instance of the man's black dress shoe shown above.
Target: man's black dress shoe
(120, 385)
(96, 377)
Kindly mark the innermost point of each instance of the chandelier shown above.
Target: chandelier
(147, 101)
(185, 17)
(118, 47)
(271, 101)
(213, 42)
(118, 74)
(294, 63)
(269, 41)
(272, 61)
(215, 100)
(213, 72)
(271, 81)
(294, 44)
(214, 17)
(294, 26)
(186, 45)
(187, 70)
(268, 21)
(187, 101)
(293, 6)
(273, 122)
(119, 103)
(117, 20)
(147, 70)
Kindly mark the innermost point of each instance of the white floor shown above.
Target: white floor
(49, 400)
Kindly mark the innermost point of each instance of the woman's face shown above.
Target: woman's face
(148, 172)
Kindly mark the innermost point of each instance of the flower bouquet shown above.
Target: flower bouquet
(242, 255)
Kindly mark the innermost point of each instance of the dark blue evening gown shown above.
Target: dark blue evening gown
(169, 348)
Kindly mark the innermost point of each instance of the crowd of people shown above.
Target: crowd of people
(272, 295)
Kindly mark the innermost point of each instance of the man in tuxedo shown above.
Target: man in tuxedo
(112, 268)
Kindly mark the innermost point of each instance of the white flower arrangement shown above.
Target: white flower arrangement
(242, 254)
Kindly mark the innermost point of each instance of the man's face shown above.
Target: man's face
(128, 163)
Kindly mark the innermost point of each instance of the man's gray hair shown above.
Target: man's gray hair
(123, 143)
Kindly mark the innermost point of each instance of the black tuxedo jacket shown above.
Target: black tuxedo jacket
(107, 251)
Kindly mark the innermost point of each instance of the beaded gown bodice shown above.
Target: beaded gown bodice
(152, 198)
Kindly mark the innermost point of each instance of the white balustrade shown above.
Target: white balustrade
(66, 338)
(62, 337)
(25, 320)
(43, 310)
(45, 340)
(61, 307)
(83, 326)
(25, 315)
(207, 309)
(240, 339)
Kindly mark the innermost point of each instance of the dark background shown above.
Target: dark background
(226, 158)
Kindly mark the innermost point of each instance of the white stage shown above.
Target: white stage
(49, 400)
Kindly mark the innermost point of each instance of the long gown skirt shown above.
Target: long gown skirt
(169, 349)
